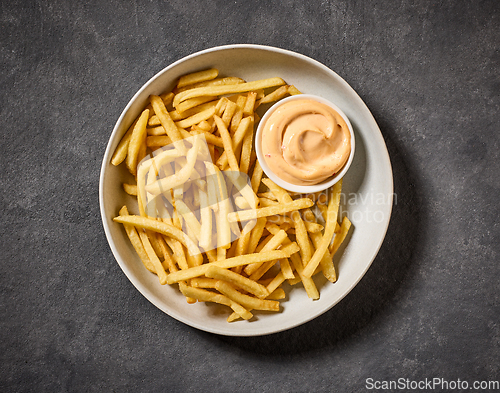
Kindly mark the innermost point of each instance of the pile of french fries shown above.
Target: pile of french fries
(237, 252)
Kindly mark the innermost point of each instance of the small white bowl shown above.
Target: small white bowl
(294, 187)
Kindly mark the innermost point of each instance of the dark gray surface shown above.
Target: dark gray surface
(429, 307)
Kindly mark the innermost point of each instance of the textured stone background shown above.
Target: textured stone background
(429, 307)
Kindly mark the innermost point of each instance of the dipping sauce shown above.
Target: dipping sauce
(304, 142)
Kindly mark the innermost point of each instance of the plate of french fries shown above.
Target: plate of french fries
(196, 225)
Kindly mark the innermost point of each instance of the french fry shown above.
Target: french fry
(246, 148)
(121, 150)
(197, 271)
(156, 131)
(256, 177)
(208, 296)
(333, 207)
(230, 80)
(249, 107)
(309, 285)
(286, 269)
(136, 242)
(196, 77)
(245, 215)
(130, 189)
(153, 257)
(326, 262)
(274, 242)
(339, 238)
(165, 229)
(181, 176)
(237, 139)
(229, 111)
(256, 234)
(190, 106)
(227, 89)
(228, 144)
(158, 141)
(137, 139)
(240, 281)
(196, 118)
(246, 301)
(292, 90)
(165, 119)
(238, 114)
(168, 262)
(276, 95)
(206, 222)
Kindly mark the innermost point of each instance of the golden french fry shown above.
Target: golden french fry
(196, 77)
(136, 242)
(292, 90)
(197, 271)
(256, 177)
(245, 300)
(309, 285)
(168, 262)
(249, 107)
(137, 139)
(256, 234)
(156, 131)
(202, 126)
(273, 243)
(196, 118)
(333, 207)
(130, 189)
(121, 150)
(276, 95)
(230, 80)
(238, 114)
(229, 111)
(246, 148)
(165, 229)
(153, 257)
(227, 89)
(313, 227)
(208, 296)
(206, 222)
(193, 104)
(177, 116)
(189, 218)
(245, 215)
(181, 176)
(228, 144)
(277, 294)
(240, 281)
(165, 119)
(237, 139)
(339, 238)
(326, 262)
(276, 282)
(210, 138)
(158, 141)
(286, 269)
(202, 282)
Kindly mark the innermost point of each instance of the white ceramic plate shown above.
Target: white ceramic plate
(366, 200)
